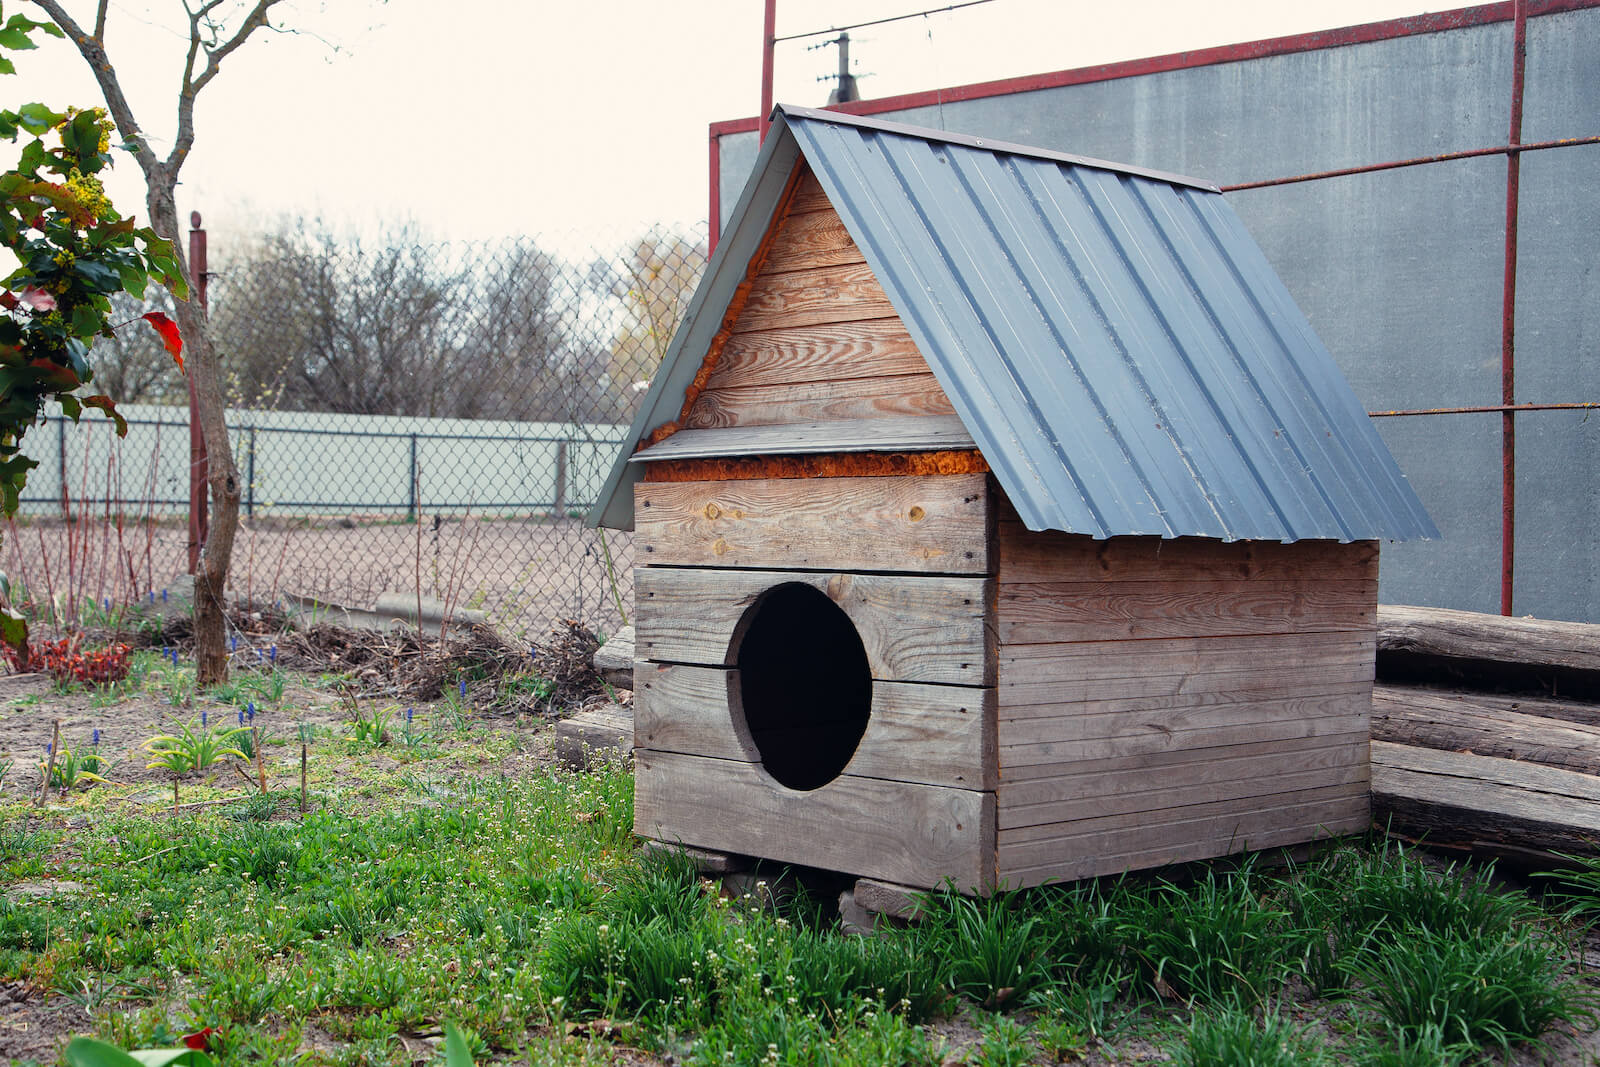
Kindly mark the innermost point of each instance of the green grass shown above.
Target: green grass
(417, 889)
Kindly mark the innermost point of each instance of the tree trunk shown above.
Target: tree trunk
(210, 582)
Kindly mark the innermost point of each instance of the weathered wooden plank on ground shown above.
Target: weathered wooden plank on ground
(599, 733)
(935, 734)
(930, 524)
(1484, 803)
(901, 832)
(1463, 722)
(1491, 638)
(914, 628)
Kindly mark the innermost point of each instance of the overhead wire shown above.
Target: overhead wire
(880, 22)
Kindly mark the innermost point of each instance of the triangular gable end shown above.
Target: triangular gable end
(813, 338)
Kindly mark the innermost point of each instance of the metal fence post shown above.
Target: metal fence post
(250, 475)
(411, 512)
(61, 454)
(559, 504)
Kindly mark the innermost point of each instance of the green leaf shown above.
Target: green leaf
(15, 39)
(87, 1052)
(168, 1057)
(70, 405)
(456, 1053)
(13, 629)
(6, 66)
(38, 119)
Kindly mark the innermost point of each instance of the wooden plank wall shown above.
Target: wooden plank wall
(817, 339)
(1163, 701)
(909, 562)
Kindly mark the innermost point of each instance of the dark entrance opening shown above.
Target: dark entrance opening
(804, 685)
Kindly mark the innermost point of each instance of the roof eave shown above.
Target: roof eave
(747, 226)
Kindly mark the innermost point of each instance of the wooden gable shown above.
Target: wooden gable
(816, 339)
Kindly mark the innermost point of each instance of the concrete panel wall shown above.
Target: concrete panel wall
(1399, 271)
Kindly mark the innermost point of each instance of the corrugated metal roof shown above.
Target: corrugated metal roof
(1116, 343)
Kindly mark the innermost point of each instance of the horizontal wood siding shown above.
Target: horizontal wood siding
(903, 832)
(930, 524)
(816, 338)
(1163, 701)
(914, 628)
(934, 734)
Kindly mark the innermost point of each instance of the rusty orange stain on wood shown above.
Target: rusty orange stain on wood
(829, 465)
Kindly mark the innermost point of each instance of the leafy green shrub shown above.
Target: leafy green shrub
(1475, 990)
(1219, 940)
(1231, 1037)
(993, 950)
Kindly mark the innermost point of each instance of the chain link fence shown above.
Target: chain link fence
(407, 416)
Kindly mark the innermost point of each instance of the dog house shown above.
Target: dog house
(998, 517)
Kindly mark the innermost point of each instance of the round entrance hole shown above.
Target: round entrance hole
(804, 685)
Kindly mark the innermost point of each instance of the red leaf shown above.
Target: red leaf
(169, 334)
(201, 1040)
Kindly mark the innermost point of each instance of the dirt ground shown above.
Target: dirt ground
(523, 572)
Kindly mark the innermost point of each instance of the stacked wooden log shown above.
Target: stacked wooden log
(1486, 732)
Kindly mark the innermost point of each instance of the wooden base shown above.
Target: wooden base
(604, 733)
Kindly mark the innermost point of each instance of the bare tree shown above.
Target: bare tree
(215, 31)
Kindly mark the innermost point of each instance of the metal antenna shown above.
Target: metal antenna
(846, 89)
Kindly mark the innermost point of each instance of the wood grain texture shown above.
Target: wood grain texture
(1114, 776)
(1067, 673)
(1038, 613)
(934, 734)
(1116, 852)
(1347, 769)
(841, 398)
(911, 834)
(1491, 638)
(1068, 739)
(914, 628)
(1574, 711)
(931, 524)
(889, 434)
(1484, 803)
(874, 348)
(808, 195)
(1455, 722)
(846, 292)
(811, 239)
(1052, 556)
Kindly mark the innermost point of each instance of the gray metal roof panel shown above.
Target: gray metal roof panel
(1117, 344)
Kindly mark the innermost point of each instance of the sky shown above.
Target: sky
(576, 122)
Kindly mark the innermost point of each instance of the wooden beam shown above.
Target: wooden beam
(934, 734)
(1048, 612)
(1484, 803)
(1459, 722)
(900, 433)
(1492, 638)
(1065, 673)
(931, 524)
(874, 348)
(847, 292)
(1052, 556)
(839, 399)
(911, 834)
(914, 629)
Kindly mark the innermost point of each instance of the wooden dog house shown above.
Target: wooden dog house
(998, 518)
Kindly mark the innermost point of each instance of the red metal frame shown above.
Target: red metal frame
(1515, 11)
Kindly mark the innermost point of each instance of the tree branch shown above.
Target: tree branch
(93, 51)
(214, 57)
(100, 21)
